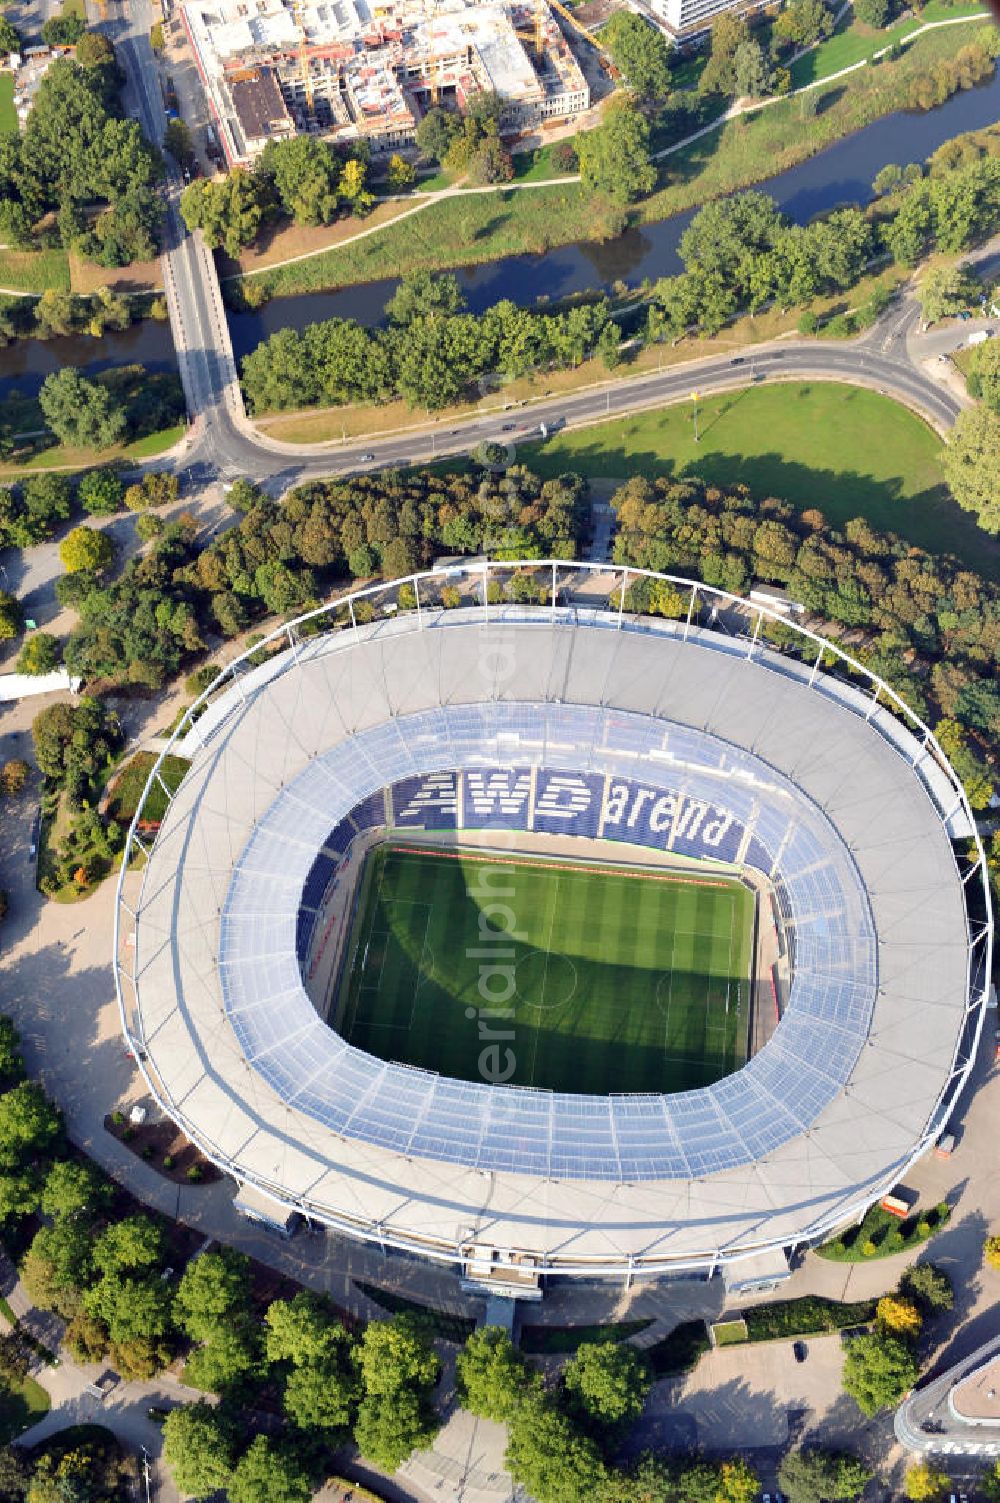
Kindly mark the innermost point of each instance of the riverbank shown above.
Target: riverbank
(468, 229)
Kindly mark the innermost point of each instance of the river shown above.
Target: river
(841, 174)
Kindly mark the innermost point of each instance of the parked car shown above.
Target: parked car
(800, 1350)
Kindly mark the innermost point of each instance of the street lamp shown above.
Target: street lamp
(695, 397)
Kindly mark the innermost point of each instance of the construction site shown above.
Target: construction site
(272, 68)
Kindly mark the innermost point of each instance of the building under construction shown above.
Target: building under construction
(347, 70)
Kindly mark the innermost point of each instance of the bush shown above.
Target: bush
(168, 1161)
(201, 679)
(13, 776)
(149, 526)
(808, 322)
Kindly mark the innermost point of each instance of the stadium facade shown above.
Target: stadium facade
(582, 719)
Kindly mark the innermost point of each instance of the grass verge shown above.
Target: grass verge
(34, 271)
(551, 1341)
(855, 42)
(22, 1405)
(456, 1328)
(678, 1352)
(8, 114)
(881, 1235)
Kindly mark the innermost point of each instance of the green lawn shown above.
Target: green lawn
(34, 271)
(155, 443)
(844, 449)
(132, 780)
(624, 979)
(21, 1406)
(8, 114)
(852, 42)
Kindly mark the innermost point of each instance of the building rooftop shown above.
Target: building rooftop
(259, 104)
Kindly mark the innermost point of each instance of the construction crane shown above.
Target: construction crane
(568, 16)
(298, 12)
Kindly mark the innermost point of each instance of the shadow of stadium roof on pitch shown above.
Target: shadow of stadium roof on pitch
(858, 1078)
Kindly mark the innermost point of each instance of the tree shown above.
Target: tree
(641, 53)
(817, 1476)
(11, 616)
(9, 39)
(80, 411)
(751, 73)
(63, 31)
(491, 1374)
(614, 157)
(608, 1382)
(136, 1243)
(58, 1264)
(269, 1472)
(13, 777)
(729, 32)
(177, 140)
(322, 1395)
(989, 1483)
(389, 1427)
(94, 50)
(436, 132)
(86, 1338)
(873, 13)
(396, 1354)
(303, 1330)
(422, 295)
(878, 1371)
(926, 1484)
(73, 1188)
(352, 186)
(14, 1475)
(214, 1289)
(984, 374)
(549, 1457)
(229, 214)
(231, 1354)
(40, 654)
(304, 172)
(945, 291)
(898, 1316)
(86, 549)
(929, 1286)
(132, 1309)
(29, 1123)
(243, 495)
(971, 464)
(199, 1447)
(401, 173)
(100, 492)
(802, 23)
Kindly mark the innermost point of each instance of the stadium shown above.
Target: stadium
(553, 938)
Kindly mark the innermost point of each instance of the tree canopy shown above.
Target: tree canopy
(80, 411)
(491, 1374)
(608, 1382)
(971, 464)
(813, 1475)
(199, 1446)
(614, 156)
(640, 51)
(878, 1371)
(86, 549)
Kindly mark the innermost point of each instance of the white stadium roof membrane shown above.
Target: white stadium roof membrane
(850, 810)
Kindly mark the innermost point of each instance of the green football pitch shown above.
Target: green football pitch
(595, 979)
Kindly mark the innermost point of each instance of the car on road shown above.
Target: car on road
(367, 458)
(508, 427)
(800, 1350)
(738, 361)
